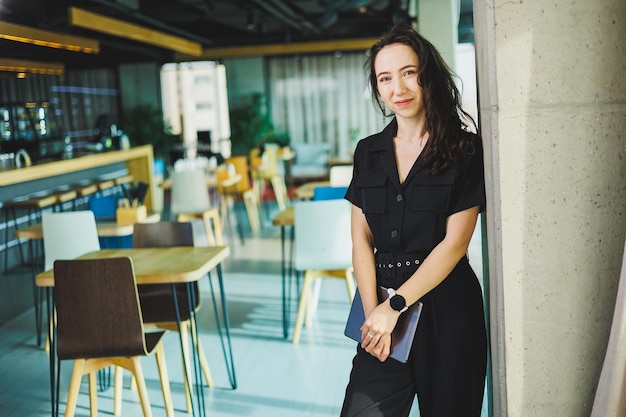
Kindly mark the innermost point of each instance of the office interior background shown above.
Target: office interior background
(551, 106)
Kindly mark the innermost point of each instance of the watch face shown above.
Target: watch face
(397, 302)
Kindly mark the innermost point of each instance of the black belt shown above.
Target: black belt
(389, 264)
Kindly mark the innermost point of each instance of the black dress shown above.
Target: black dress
(447, 364)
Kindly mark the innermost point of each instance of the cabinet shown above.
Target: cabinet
(32, 127)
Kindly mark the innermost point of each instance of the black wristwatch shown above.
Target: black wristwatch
(397, 301)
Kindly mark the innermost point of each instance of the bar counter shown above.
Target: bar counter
(139, 162)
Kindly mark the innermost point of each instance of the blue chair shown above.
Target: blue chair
(103, 208)
(329, 193)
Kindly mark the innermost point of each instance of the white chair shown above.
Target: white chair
(68, 235)
(190, 200)
(340, 175)
(322, 248)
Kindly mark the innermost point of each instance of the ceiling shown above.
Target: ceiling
(212, 23)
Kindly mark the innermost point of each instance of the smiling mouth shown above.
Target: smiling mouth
(402, 102)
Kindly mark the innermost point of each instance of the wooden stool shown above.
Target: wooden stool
(63, 196)
(84, 191)
(125, 179)
(33, 204)
(104, 185)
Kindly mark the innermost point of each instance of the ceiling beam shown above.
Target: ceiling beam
(100, 23)
(40, 37)
(34, 67)
(281, 49)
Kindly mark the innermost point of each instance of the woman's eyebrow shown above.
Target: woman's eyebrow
(401, 69)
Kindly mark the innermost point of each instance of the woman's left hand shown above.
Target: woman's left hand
(376, 331)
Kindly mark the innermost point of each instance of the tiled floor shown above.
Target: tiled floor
(275, 377)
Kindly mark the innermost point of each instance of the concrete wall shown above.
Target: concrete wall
(553, 114)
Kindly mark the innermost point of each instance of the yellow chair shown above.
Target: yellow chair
(271, 169)
(244, 191)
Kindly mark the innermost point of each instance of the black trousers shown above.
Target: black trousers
(447, 365)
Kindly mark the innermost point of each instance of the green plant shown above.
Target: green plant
(144, 125)
(249, 126)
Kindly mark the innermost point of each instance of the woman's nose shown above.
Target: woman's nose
(399, 86)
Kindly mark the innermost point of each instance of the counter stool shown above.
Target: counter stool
(64, 196)
(104, 185)
(125, 179)
(33, 204)
(84, 191)
(36, 204)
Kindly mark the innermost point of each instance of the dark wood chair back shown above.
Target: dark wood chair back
(98, 313)
(156, 300)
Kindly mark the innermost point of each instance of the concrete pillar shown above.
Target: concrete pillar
(553, 115)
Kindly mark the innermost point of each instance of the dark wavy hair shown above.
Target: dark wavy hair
(447, 123)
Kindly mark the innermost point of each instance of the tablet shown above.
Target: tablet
(402, 335)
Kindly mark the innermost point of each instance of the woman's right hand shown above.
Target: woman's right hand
(376, 331)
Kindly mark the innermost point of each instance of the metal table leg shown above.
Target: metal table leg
(226, 344)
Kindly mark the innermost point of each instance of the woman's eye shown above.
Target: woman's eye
(409, 73)
(383, 79)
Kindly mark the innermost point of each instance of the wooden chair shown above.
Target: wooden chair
(271, 169)
(156, 301)
(99, 324)
(190, 200)
(322, 248)
(245, 192)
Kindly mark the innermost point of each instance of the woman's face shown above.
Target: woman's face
(396, 67)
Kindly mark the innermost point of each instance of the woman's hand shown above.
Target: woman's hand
(376, 331)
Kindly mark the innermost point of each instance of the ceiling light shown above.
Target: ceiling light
(251, 22)
(40, 37)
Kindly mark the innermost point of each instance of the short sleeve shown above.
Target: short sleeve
(351, 194)
(469, 190)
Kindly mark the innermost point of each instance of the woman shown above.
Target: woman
(416, 191)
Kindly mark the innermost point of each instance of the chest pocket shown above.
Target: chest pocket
(431, 193)
(373, 192)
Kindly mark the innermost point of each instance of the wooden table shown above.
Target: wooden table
(306, 190)
(164, 265)
(105, 229)
(211, 182)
